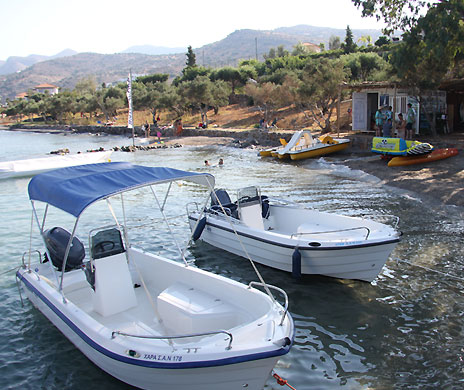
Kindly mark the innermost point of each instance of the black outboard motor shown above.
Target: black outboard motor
(56, 240)
(223, 197)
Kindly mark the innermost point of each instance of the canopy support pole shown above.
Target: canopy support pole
(168, 226)
(66, 254)
(229, 219)
(41, 235)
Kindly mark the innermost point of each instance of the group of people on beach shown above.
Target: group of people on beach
(384, 123)
(263, 124)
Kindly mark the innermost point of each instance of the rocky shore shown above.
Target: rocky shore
(441, 181)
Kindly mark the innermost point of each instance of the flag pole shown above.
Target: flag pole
(130, 122)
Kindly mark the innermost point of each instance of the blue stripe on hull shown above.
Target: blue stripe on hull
(302, 247)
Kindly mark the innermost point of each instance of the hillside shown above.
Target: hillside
(16, 64)
(154, 50)
(107, 68)
(241, 44)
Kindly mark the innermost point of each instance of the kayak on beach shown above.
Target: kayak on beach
(437, 154)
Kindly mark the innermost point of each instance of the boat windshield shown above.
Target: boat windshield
(248, 194)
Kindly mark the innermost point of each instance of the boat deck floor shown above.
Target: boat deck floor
(139, 317)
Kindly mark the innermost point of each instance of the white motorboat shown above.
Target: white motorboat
(33, 166)
(152, 322)
(293, 238)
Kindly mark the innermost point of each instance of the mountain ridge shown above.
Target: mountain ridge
(64, 71)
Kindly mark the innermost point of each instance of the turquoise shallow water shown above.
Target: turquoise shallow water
(403, 331)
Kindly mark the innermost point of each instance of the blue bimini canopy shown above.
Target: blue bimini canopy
(73, 189)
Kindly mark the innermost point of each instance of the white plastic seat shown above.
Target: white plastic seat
(251, 215)
(114, 290)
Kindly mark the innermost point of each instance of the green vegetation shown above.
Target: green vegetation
(431, 50)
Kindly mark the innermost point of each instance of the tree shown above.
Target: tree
(248, 72)
(110, 100)
(173, 101)
(230, 75)
(202, 93)
(61, 104)
(271, 54)
(349, 46)
(147, 93)
(365, 40)
(431, 50)
(281, 52)
(316, 90)
(190, 73)
(85, 92)
(334, 43)
(267, 96)
(153, 78)
(363, 66)
(191, 59)
(383, 40)
(397, 14)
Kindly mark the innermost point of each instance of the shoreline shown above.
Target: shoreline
(441, 181)
(437, 182)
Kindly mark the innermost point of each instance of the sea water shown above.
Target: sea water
(403, 331)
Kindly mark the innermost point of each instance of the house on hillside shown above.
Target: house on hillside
(46, 88)
(22, 95)
(369, 96)
(311, 47)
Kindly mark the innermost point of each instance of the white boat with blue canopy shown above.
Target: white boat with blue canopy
(149, 321)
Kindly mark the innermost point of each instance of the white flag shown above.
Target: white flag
(130, 123)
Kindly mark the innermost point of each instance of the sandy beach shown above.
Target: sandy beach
(441, 181)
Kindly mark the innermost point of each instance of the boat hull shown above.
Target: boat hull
(320, 150)
(266, 152)
(197, 375)
(436, 155)
(31, 167)
(360, 261)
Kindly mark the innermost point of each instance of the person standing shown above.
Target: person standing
(386, 129)
(401, 126)
(379, 118)
(389, 114)
(410, 119)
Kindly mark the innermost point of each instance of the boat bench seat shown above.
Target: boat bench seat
(185, 309)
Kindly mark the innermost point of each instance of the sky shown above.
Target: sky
(47, 27)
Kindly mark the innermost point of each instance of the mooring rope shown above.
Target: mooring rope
(430, 269)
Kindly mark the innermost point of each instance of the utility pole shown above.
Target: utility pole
(256, 48)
